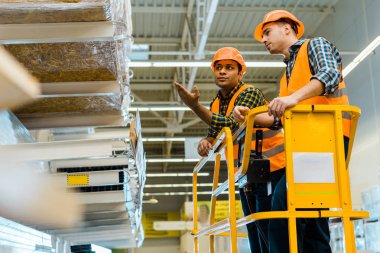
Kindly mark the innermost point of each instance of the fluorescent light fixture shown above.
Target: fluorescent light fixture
(180, 174)
(159, 108)
(175, 185)
(171, 160)
(161, 139)
(361, 56)
(139, 52)
(265, 64)
(160, 64)
(182, 193)
(150, 201)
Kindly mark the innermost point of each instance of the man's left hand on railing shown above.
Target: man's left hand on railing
(278, 105)
(205, 145)
(240, 112)
(263, 119)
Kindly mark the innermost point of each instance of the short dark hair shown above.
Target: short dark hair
(292, 23)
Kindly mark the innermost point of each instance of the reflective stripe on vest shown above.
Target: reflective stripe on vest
(274, 151)
(301, 75)
(273, 141)
(267, 134)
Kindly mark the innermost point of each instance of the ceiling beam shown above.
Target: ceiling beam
(186, 40)
(203, 31)
(201, 86)
(191, 122)
(186, 31)
(187, 53)
(167, 150)
(162, 10)
(171, 128)
(147, 103)
(159, 117)
(213, 40)
(161, 129)
(321, 19)
(229, 9)
(255, 9)
(205, 64)
(199, 80)
(205, 17)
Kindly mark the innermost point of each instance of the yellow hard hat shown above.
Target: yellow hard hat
(229, 53)
(274, 16)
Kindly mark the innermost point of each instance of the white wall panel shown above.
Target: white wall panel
(352, 27)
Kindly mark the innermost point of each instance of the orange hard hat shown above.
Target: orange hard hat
(229, 53)
(274, 16)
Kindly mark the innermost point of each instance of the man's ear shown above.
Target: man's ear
(287, 28)
(241, 74)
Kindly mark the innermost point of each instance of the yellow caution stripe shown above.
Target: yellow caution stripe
(78, 179)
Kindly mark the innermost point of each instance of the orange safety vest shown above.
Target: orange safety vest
(301, 75)
(273, 140)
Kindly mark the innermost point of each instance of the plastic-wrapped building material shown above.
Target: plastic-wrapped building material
(74, 60)
(337, 236)
(76, 45)
(367, 231)
(39, 11)
(68, 62)
(112, 196)
(12, 131)
(138, 175)
(371, 203)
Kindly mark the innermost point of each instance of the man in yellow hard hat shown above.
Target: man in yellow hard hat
(229, 67)
(313, 76)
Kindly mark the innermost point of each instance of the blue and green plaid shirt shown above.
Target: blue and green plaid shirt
(250, 97)
(324, 60)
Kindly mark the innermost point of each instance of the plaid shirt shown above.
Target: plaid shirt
(324, 60)
(250, 97)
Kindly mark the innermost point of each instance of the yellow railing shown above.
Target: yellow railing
(308, 129)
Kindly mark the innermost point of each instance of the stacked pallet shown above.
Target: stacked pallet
(80, 44)
(77, 49)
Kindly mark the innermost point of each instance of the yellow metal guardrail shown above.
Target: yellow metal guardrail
(309, 129)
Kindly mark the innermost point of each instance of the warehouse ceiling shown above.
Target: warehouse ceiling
(181, 31)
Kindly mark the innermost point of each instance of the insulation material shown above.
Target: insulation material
(38, 11)
(76, 62)
(89, 104)
(68, 62)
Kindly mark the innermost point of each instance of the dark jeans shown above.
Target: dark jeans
(259, 201)
(313, 235)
